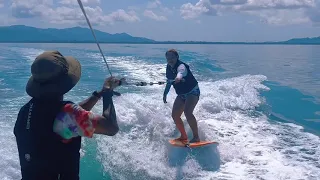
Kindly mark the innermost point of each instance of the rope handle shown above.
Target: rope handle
(142, 83)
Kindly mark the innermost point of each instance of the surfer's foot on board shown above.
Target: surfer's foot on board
(182, 139)
(194, 139)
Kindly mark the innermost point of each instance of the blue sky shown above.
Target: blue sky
(209, 20)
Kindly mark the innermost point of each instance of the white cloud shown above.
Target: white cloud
(1, 3)
(190, 11)
(281, 17)
(228, 2)
(6, 20)
(314, 13)
(270, 11)
(154, 9)
(122, 15)
(75, 2)
(153, 4)
(30, 8)
(271, 4)
(159, 6)
(69, 15)
(152, 15)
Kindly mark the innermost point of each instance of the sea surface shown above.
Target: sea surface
(261, 103)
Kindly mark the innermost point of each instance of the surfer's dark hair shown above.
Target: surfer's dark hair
(175, 52)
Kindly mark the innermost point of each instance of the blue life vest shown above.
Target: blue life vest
(42, 153)
(181, 87)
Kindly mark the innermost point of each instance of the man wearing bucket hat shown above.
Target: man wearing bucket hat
(48, 129)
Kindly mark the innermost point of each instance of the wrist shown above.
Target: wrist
(97, 94)
(107, 92)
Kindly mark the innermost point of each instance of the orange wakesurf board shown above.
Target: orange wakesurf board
(190, 145)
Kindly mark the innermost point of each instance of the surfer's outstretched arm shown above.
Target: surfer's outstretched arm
(167, 88)
(166, 91)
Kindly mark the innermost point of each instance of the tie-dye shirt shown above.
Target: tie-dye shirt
(74, 121)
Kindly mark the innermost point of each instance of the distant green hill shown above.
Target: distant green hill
(21, 33)
(315, 40)
(27, 34)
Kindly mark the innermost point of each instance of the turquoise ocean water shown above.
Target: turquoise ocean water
(260, 102)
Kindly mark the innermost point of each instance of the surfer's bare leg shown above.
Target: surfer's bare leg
(190, 104)
(177, 110)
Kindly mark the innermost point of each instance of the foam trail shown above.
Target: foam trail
(250, 146)
(3, 88)
(29, 53)
(9, 164)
